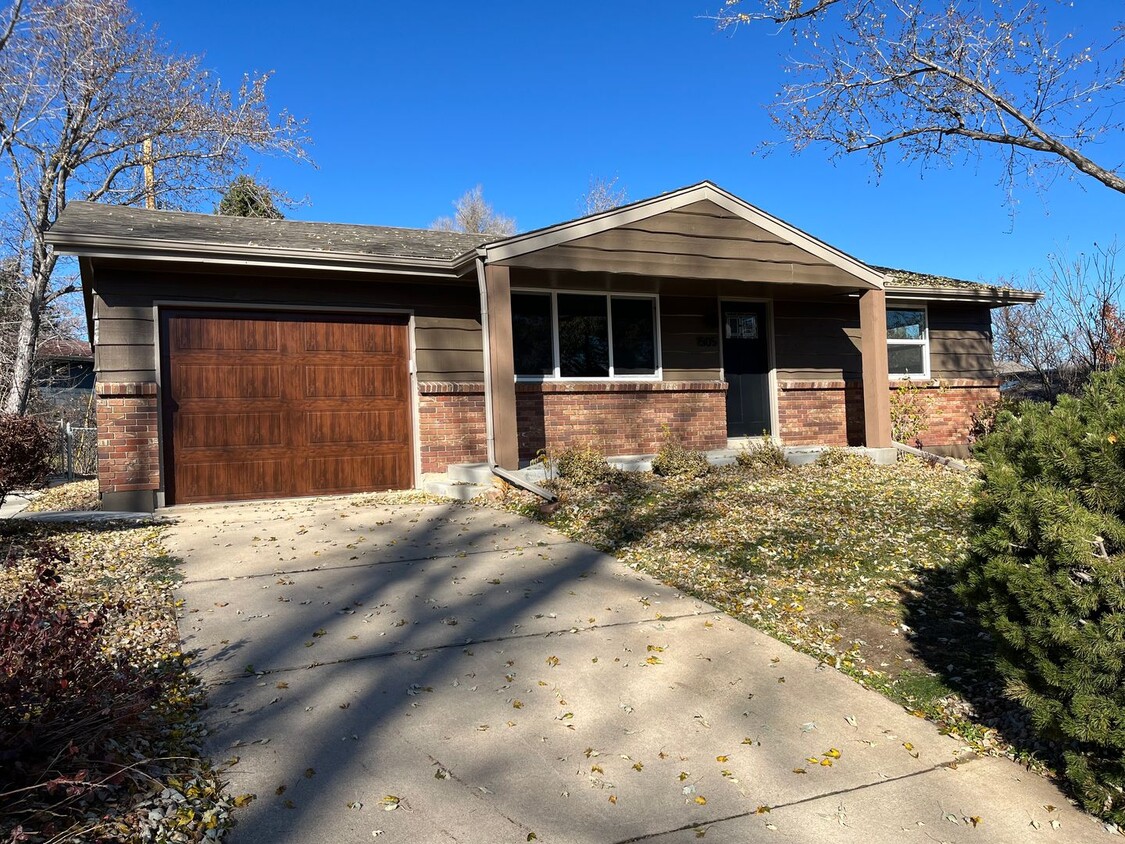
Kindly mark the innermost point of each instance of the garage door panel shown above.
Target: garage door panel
(351, 382)
(227, 380)
(231, 480)
(231, 430)
(227, 335)
(354, 427)
(264, 406)
(328, 475)
(350, 337)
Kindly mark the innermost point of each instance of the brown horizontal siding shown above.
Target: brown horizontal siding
(816, 340)
(448, 341)
(689, 332)
(961, 341)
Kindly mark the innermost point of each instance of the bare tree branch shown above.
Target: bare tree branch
(473, 214)
(603, 195)
(934, 81)
(84, 84)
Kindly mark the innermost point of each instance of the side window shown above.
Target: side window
(908, 353)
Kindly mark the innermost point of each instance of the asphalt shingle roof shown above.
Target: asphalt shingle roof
(90, 218)
(909, 278)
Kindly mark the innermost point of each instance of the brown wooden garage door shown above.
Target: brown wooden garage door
(276, 405)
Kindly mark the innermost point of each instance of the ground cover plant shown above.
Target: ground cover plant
(845, 560)
(99, 715)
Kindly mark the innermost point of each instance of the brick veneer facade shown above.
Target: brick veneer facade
(622, 417)
(128, 443)
(831, 412)
(452, 427)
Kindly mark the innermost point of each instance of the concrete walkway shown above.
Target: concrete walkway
(451, 673)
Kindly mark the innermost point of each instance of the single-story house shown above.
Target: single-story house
(244, 358)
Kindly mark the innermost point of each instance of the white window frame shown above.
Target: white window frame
(556, 374)
(924, 342)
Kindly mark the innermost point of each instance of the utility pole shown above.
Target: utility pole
(150, 173)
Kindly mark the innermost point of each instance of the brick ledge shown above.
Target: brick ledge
(125, 388)
(948, 383)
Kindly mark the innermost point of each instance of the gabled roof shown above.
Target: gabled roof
(91, 228)
(584, 227)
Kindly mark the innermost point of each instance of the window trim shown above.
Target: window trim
(902, 305)
(556, 374)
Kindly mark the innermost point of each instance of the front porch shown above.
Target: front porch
(680, 316)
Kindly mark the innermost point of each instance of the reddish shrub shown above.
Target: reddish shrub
(26, 445)
(62, 699)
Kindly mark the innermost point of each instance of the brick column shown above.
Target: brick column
(128, 445)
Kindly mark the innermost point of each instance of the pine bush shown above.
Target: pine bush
(1046, 574)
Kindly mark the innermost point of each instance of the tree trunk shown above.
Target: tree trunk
(23, 362)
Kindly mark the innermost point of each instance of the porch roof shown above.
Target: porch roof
(696, 232)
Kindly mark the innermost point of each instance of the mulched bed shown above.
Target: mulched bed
(842, 559)
(142, 779)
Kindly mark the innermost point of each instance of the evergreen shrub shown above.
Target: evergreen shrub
(1046, 575)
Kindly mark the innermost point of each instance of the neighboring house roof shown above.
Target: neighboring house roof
(903, 283)
(56, 349)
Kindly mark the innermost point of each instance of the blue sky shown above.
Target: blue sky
(411, 104)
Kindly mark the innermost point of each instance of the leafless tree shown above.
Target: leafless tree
(938, 80)
(91, 100)
(473, 214)
(1078, 327)
(603, 195)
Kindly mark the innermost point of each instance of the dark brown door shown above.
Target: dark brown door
(276, 405)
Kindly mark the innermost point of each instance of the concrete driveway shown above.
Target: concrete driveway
(450, 673)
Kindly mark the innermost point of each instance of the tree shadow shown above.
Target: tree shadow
(946, 636)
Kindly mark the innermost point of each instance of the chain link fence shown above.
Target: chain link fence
(77, 453)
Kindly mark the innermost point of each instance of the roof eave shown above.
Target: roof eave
(100, 246)
(994, 296)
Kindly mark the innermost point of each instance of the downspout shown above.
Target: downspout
(490, 436)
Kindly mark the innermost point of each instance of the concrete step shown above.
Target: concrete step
(470, 473)
(455, 490)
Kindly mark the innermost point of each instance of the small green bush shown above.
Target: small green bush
(677, 460)
(582, 466)
(1046, 575)
(765, 458)
(836, 456)
(26, 446)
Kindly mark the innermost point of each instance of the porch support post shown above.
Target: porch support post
(876, 377)
(502, 368)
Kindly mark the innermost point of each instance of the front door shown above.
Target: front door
(746, 365)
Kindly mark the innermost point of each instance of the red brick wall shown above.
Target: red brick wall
(620, 417)
(128, 446)
(452, 427)
(831, 412)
